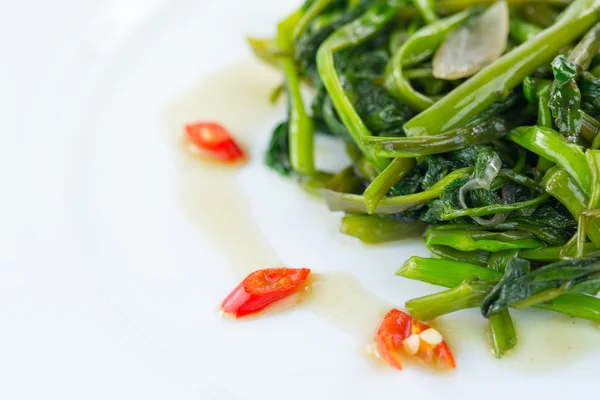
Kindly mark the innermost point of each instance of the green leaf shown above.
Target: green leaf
(277, 156)
(565, 97)
(519, 287)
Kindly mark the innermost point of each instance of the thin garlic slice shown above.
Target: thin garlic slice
(432, 337)
(474, 45)
(411, 344)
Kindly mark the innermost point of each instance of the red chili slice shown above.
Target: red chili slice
(215, 140)
(394, 329)
(262, 288)
(400, 331)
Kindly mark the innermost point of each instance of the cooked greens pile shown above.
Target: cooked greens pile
(472, 121)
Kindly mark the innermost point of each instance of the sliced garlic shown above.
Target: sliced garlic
(431, 336)
(372, 350)
(474, 45)
(411, 344)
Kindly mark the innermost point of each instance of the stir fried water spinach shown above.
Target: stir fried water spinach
(472, 122)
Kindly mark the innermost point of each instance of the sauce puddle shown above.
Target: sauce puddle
(237, 97)
(208, 193)
(204, 189)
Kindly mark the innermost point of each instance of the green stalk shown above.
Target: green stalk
(534, 87)
(346, 181)
(376, 229)
(520, 179)
(418, 73)
(426, 9)
(502, 335)
(276, 93)
(523, 31)
(548, 234)
(444, 273)
(416, 146)
(313, 184)
(521, 162)
(315, 9)
(575, 245)
(589, 126)
(366, 169)
(354, 203)
(588, 219)
(544, 113)
(575, 304)
(415, 50)
(492, 209)
(471, 240)
(544, 119)
(380, 186)
(265, 50)
(551, 145)
(586, 49)
(561, 186)
(550, 254)
(543, 165)
(498, 108)
(538, 298)
(469, 294)
(596, 143)
(595, 71)
(593, 158)
(301, 127)
(477, 257)
(350, 35)
(494, 81)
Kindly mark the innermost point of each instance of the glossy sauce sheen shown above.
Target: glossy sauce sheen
(205, 188)
(546, 341)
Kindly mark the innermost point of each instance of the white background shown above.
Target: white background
(103, 294)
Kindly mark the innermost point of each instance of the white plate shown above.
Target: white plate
(116, 261)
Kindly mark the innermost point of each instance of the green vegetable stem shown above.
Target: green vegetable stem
(549, 144)
(380, 229)
(301, 128)
(416, 146)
